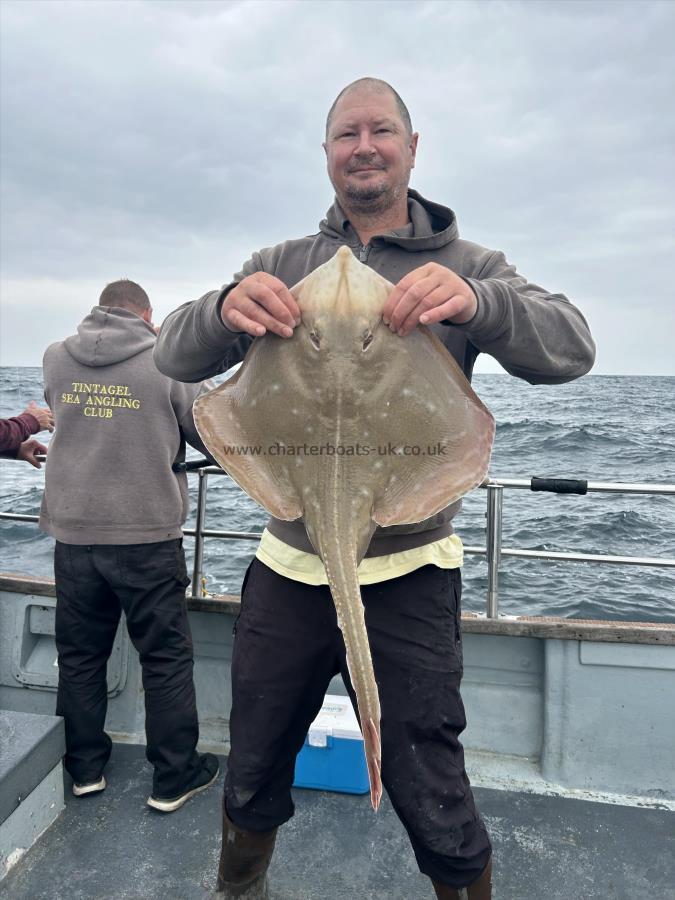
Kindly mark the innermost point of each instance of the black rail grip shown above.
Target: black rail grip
(191, 466)
(559, 485)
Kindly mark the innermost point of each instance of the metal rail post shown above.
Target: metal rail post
(197, 590)
(493, 541)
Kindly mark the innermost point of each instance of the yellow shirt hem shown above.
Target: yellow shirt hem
(447, 553)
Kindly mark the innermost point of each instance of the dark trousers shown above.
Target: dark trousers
(147, 581)
(287, 648)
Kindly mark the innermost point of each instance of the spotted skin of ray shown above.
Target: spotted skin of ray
(345, 380)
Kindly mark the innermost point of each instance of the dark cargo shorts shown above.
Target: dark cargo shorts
(288, 647)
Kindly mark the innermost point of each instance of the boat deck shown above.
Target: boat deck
(111, 845)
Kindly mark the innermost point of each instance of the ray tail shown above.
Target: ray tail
(339, 558)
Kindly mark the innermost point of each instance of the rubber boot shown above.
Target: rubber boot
(244, 860)
(481, 889)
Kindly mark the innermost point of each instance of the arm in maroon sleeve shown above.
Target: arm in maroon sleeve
(14, 431)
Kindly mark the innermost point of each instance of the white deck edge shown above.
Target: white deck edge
(514, 773)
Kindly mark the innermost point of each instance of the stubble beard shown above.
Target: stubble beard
(373, 200)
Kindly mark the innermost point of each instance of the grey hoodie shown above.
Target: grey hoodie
(535, 335)
(120, 425)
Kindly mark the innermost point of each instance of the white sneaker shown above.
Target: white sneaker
(92, 787)
(201, 782)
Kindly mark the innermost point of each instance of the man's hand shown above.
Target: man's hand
(261, 303)
(43, 414)
(29, 450)
(432, 293)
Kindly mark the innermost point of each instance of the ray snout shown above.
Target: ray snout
(343, 287)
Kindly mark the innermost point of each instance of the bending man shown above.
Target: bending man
(116, 508)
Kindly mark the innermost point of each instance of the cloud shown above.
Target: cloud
(168, 140)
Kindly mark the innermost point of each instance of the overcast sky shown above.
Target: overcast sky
(165, 141)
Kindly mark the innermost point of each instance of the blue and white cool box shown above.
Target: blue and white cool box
(333, 758)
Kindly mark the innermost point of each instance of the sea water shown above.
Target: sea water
(599, 428)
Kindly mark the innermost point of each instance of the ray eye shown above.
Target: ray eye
(367, 341)
(314, 338)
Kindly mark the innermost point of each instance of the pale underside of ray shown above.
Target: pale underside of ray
(408, 433)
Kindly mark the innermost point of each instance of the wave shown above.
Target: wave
(600, 428)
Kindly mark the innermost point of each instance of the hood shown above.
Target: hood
(109, 335)
(431, 225)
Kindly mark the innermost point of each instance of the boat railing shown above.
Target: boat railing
(493, 550)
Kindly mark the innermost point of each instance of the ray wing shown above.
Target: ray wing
(443, 433)
(233, 420)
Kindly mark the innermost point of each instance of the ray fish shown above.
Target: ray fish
(408, 435)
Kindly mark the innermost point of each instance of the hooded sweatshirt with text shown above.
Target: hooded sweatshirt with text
(120, 425)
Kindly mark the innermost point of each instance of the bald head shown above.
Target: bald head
(378, 86)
